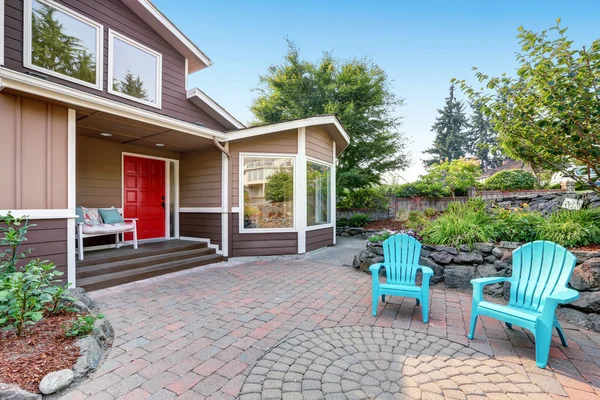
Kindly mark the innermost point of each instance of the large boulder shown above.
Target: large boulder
(583, 256)
(55, 381)
(485, 248)
(91, 354)
(487, 270)
(587, 302)
(459, 276)
(586, 276)
(574, 316)
(13, 392)
(356, 261)
(509, 245)
(438, 270)
(472, 257)
(441, 257)
(497, 252)
(447, 249)
(364, 266)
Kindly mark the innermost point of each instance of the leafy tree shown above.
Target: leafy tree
(131, 85)
(357, 91)
(53, 49)
(511, 180)
(549, 114)
(450, 135)
(483, 139)
(455, 176)
(280, 186)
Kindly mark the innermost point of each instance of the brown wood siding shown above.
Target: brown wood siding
(200, 178)
(99, 177)
(115, 15)
(319, 144)
(319, 238)
(201, 225)
(49, 242)
(283, 142)
(261, 244)
(34, 135)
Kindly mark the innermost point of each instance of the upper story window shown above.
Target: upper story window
(62, 43)
(134, 70)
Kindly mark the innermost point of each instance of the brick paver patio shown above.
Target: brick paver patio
(224, 333)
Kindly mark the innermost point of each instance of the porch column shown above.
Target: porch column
(300, 191)
(225, 211)
(71, 199)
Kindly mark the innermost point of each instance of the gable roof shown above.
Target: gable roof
(197, 60)
(508, 166)
(212, 108)
(329, 122)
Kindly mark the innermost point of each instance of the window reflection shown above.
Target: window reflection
(318, 187)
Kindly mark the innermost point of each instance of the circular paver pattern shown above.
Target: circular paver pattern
(363, 362)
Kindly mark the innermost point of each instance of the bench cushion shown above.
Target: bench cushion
(91, 216)
(108, 228)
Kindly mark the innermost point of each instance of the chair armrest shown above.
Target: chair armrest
(375, 268)
(564, 296)
(426, 270)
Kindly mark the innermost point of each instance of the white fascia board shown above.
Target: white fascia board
(195, 92)
(150, 10)
(282, 126)
(40, 87)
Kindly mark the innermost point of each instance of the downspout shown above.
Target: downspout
(226, 201)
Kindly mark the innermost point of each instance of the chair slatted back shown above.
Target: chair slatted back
(401, 259)
(539, 269)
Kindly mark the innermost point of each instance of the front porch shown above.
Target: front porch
(110, 267)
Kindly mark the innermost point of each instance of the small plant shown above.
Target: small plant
(572, 228)
(59, 299)
(343, 222)
(382, 236)
(416, 220)
(14, 230)
(402, 215)
(83, 325)
(430, 212)
(517, 225)
(359, 220)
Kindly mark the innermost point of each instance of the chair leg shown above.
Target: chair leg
(425, 307)
(508, 325)
(375, 301)
(561, 334)
(543, 337)
(473, 325)
(383, 298)
(418, 301)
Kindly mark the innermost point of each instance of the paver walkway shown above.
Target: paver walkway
(207, 333)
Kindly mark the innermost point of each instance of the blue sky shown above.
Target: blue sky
(420, 44)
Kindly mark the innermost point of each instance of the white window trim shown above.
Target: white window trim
(27, 32)
(2, 11)
(241, 193)
(111, 35)
(331, 211)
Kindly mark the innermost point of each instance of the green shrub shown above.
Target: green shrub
(83, 325)
(367, 198)
(359, 220)
(430, 212)
(462, 223)
(572, 228)
(343, 222)
(416, 220)
(518, 225)
(511, 180)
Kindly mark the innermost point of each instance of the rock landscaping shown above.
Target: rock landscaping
(456, 267)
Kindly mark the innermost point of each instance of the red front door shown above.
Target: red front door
(144, 180)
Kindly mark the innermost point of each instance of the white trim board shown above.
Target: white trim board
(71, 194)
(2, 11)
(202, 210)
(40, 87)
(218, 111)
(300, 191)
(27, 45)
(63, 213)
(112, 35)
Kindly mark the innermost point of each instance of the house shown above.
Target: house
(507, 165)
(96, 112)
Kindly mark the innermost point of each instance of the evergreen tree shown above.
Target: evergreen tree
(483, 139)
(53, 49)
(358, 92)
(450, 132)
(131, 85)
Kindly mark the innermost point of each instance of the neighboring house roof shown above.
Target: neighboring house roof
(197, 60)
(508, 166)
(329, 122)
(212, 108)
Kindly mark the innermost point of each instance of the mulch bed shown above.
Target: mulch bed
(385, 224)
(591, 247)
(41, 349)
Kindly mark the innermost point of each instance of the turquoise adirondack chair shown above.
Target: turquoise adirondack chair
(540, 273)
(401, 260)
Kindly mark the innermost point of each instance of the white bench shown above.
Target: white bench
(102, 229)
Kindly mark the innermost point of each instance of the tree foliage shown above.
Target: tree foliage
(511, 180)
(280, 186)
(357, 91)
(549, 114)
(53, 49)
(450, 132)
(131, 85)
(482, 139)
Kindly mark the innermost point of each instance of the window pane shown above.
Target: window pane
(134, 71)
(318, 182)
(268, 192)
(62, 43)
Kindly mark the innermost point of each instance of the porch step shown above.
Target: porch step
(128, 253)
(110, 277)
(109, 267)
